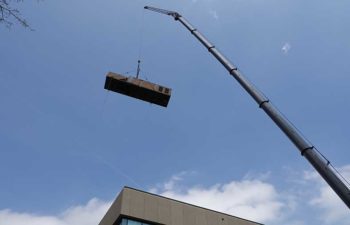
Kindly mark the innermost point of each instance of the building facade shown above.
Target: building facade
(135, 207)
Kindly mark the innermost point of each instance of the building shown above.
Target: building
(135, 207)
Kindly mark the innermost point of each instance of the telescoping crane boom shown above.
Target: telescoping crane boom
(320, 163)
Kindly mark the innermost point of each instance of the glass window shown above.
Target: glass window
(132, 222)
(125, 221)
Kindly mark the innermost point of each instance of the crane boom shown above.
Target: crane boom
(320, 163)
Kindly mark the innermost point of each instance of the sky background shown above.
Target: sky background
(68, 146)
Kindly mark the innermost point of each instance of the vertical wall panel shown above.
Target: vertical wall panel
(212, 218)
(189, 214)
(151, 208)
(164, 211)
(176, 213)
(137, 204)
(200, 217)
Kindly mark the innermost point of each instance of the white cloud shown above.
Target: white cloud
(286, 48)
(89, 214)
(333, 210)
(170, 184)
(251, 199)
(307, 200)
(214, 14)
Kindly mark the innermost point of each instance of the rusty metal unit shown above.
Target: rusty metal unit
(137, 88)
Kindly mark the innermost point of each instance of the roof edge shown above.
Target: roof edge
(135, 189)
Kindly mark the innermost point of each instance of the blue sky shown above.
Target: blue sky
(68, 146)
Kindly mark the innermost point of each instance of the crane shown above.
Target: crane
(315, 158)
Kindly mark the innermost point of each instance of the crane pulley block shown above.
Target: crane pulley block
(137, 88)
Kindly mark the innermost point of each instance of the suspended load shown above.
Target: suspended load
(137, 88)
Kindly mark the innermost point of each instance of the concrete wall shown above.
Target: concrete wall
(153, 208)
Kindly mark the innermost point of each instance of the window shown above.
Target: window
(125, 221)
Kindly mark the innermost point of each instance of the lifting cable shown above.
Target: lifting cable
(140, 42)
(141, 28)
